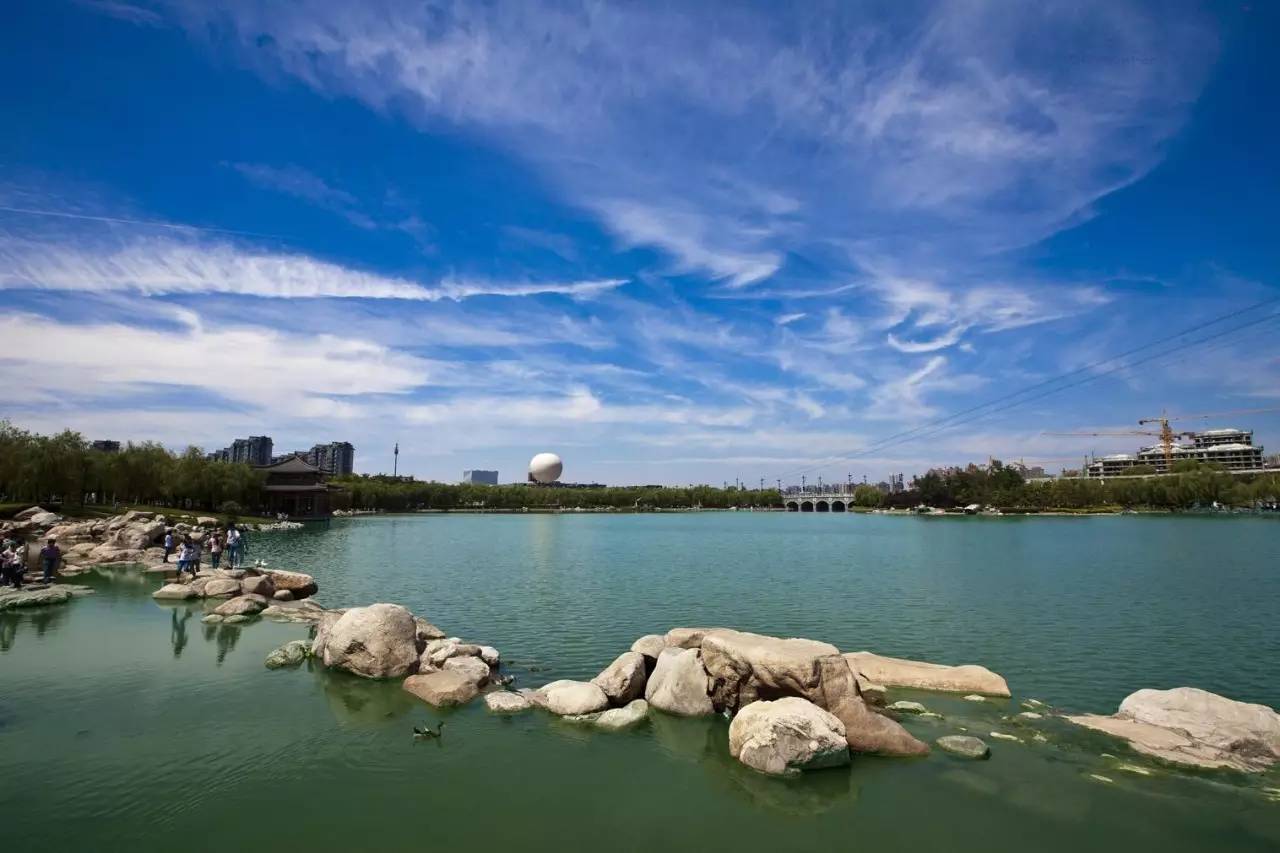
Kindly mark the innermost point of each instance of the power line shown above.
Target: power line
(930, 427)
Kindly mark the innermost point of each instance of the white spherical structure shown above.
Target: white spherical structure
(545, 468)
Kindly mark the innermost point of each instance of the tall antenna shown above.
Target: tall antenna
(395, 466)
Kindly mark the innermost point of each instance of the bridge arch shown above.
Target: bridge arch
(806, 506)
(793, 506)
(838, 506)
(823, 506)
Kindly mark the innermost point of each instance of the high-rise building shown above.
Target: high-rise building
(480, 478)
(336, 458)
(254, 450)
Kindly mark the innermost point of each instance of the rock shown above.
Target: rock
(260, 585)
(44, 519)
(207, 521)
(490, 655)
(33, 596)
(296, 582)
(871, 693)
(964, 746)
(1031, 715)
(623, 680)
(442, 688)
(745, 666)
(211, 619)
(904, 707)
(897, 672)
(506, 702)
(324, 624)
(174, 592)
(295, 611)
(1003, 736)
(685, 638)
(282, 595)
(469, 667)
(378, 641)
(198, 586)
(439, 651)
(237, 619)
(1186, 725)
(290, 654)
(568, 698)
(865, 730)
(974, 697)
(232, 574)
(650, 645)
(427, 631)
(629, 715)
(242, 605)
(788, 735)
(27, 513)
(221, 588)
(679, 684)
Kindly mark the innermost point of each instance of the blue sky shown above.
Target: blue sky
(673, 242)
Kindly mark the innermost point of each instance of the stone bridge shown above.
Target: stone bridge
(818, 501)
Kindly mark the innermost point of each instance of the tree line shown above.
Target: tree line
(66, 468)
(389, 494)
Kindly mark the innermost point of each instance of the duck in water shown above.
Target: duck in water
(424, 734)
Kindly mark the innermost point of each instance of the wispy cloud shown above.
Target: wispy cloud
(159, 267)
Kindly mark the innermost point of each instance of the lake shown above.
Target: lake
(127, 724)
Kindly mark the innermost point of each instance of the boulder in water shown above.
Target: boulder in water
(469, 667)
(650, 645)
(572, 698)
(629, 715)
(174, 592)
(785, 736)
(221, 588)
(679, 684)
(290, 654)
(865, 730)
(1186, 725)
(441, 688)
(506, 702)
(259, 585)
(242, 605)
(378, 641)
(745, 666)
(919, 675)
(623, 680)
(301, 585)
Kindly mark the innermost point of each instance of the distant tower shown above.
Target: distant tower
(395, 466)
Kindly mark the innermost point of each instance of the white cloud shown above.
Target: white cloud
(161, 266)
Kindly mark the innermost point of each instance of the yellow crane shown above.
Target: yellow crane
(1166, 434)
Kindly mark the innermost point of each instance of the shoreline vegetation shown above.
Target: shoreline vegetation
(65, 472)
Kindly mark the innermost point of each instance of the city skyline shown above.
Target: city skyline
(675, 257)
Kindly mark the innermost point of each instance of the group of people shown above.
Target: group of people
(13, 562)
(189, 551)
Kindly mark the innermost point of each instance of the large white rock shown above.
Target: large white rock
(650, 645)
(745, 666)
(919, 675)
(1186, 725)
(506, 702)
(220, 587)
(570, 698)
(242, 605)
(378, 641)
(301, 585)
(469, 667)
(441, 688)
(786, 736)
(678, 684)
(622, 680)
(174, 592)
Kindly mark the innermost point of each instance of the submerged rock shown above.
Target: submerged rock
(17, 599)
(629, 715)
(964, 746)
(679, 684)
(899, 672)
(290, 654)
(211, 619)
(902, 706)
(624, 679)
(506, 702)
(442, 688)
(1003, 736)
(786, 736)
(571, 698)
(1186, 725)
(378, 641)
(295, 611)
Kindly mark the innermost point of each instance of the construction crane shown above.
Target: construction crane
(1166, 434)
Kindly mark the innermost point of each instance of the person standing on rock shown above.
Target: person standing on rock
(233, 546)
(193, 558)
(215, 549)
(168, 544)
(10, 567)
(50, 557)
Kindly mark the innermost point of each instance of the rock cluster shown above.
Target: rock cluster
(1194, 727)
(39, 595)
(247, 592)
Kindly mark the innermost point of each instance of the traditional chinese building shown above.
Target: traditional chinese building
(298, 489)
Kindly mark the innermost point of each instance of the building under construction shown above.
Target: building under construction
(1232, 449)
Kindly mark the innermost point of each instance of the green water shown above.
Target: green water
(125, 724)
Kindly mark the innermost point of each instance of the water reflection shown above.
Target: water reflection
(224, 637)
(41, 618)
(363, 702)
(178, 631)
